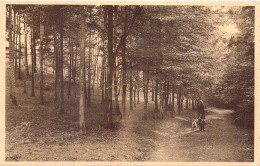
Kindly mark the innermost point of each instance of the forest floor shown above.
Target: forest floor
(37, 132)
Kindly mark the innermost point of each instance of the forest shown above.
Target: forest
(82, 72)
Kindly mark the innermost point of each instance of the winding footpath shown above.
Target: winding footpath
(221, 140)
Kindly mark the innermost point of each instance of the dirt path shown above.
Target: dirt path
(221, 141)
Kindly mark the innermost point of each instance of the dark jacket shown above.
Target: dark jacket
(201, 110)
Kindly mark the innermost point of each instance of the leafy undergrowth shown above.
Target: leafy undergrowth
(37, 132)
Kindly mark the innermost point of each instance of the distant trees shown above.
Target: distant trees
(167, 51)
(236, 88)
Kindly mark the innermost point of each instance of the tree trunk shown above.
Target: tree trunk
(94, 62)
(152, 92)
(124, 65)
(89, 69)
(173, 100)
(165, 97)
(110, 65)
(146, 79)
(61, 108)
(56, 54)
(144, 86)
(25, 64)
(117, 111)
(25, 51)
(161, 106)
(138, 87)
(70, 65)
(72, 62)
(156, 95)
(20, 48)
(82, 100)
(179, 101)
(182, 98)
(102, 80)
(135, 93)
(15, 39)
(34, 50)
(11, 59)
(75, 64)
(41, 59)
(97, 71)
(32, 58)
(131, 88)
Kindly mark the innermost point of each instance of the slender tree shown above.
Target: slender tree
(61, 92)
(110, 64)
(32, 58)
(11, 56)
(25, 49)
(41, 57)
(82, 103)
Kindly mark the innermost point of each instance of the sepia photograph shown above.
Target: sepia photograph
(129, 83)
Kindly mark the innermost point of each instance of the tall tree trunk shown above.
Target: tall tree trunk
(61, 95)
(94, 62)
(173, 100)
(146, 95)
(135, 92)
(124, 65)
(34, 50)
(144, 87)
(138, 87)
(97, 70)
(131, 88)
(152, 92)
(24, 63)
(20, 48)
(89, 70)
(116, 95)
(165, 97)
(161, 106)
(110, 67)
(170, 96)
(182, 99)
(41, 59)
(15, 39)
(179, 101)
(95, 58)
(32, 58)
(56, 54)
(72, 62)
(58, 69)
(75, 64)
(156, 95)
(69, 72)
(82, 100)
(102, 80)
(11, 57)
(25, 51)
